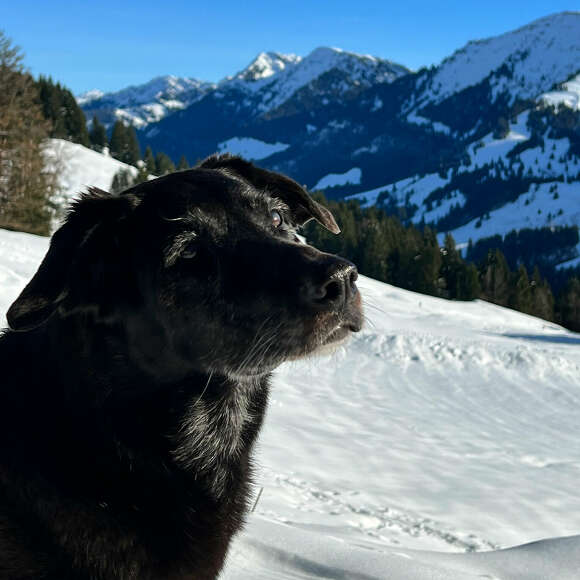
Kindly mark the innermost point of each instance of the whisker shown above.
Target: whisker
(369, 321)
(255, 344)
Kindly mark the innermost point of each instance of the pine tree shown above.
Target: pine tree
(133, 153)
(521, 293)
(163, 164)
(468, 286)
(568, 305)
(118, 141)
(374, 250)
(122, 180)
(450, 266)
(98, 135)
(183, 163)
(142, 173)
(26, 183)
(61, 109)
(75, 118)
(149, 160)
(124, 144)
(495, 278)
(542, 297)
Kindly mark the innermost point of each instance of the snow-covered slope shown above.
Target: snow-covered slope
(523, 63)
(549, 196)
(80, 167)
(568, 95)
(443, 426)
(285, 552)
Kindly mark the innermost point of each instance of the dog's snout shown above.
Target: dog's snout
(337, 287)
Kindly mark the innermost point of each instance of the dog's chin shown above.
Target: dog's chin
(335, 339)
(331, 341)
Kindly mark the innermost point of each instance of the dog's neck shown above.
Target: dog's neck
(219, 426)
(199, 422)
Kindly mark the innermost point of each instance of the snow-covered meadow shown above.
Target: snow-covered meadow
(442, 427)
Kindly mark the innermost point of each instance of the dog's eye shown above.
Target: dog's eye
(276, 218)
(190, 251)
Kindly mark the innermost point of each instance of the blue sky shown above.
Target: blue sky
(112, 44)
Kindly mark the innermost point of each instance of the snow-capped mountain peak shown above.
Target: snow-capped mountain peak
(266, 65)
(278, 77)
(140, 105)
(88, 96)
(524, 63)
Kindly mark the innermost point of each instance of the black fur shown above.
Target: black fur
(135, 371)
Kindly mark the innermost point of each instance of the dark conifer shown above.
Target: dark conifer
(61, 109)
(521, 294)
(542, 297)
(163, 164)
(142, 174)
(133, 153)
(149, 160)
(98, 135)
(122, 180)
(118, 141)
(568, 305)
(468, 286)
(183, 163)
(495, 278)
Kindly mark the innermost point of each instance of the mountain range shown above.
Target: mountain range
(485, 142)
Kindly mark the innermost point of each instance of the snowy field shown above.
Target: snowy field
(443, 428)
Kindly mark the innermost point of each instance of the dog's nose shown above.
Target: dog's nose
(337, 287)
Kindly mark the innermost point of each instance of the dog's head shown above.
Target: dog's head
(200, 270)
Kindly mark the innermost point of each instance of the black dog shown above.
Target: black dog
(135, 373)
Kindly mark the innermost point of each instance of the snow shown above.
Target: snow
(377, 104)
(147, 103)
(438, 127)
(251, 148)
(443, 427)
(352, 176)
(89, 96)
(547, 202)
(358, 67)
(455, 198)
(490, 150)
(539, 55)
(573, 263)
(536, 208)
(569, 96)
(415, 188)
(266, 65)
(273, 78)
(281, 552)
(80, 167)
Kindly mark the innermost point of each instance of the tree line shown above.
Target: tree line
(405, 256)
(67, 121)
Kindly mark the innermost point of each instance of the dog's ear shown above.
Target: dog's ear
(297, 198)
(75, 265)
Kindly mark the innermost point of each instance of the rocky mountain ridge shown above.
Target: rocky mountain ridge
(485, 141)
